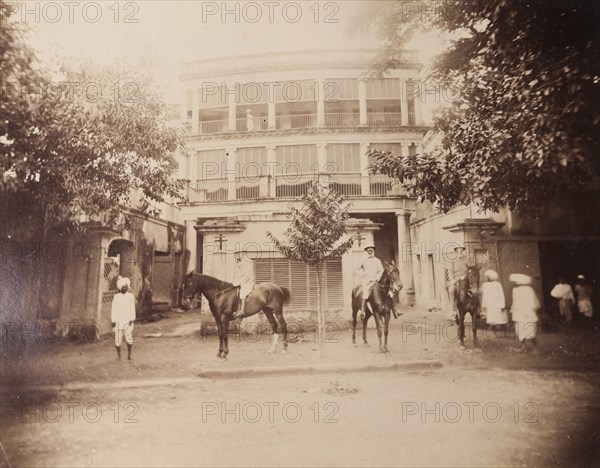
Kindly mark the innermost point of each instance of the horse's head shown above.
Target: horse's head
(191, 287)
(473, 279)
(391, 280)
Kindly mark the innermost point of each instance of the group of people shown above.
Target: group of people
(524, 310)
(525, 303)
(563, 293)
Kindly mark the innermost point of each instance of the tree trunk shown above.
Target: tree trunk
(320, 317)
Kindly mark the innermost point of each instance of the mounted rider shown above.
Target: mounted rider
(455, 271)
(244, 279)
(372, 270)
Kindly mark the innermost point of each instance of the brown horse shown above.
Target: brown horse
(223, 301)
(466, 294)
(384, 300)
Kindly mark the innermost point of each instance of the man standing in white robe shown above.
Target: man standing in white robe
(492, 300)
(524, 307)
(122, 315)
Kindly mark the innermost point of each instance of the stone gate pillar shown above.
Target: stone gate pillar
(405, 257)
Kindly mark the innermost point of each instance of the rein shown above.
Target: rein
(222, 291)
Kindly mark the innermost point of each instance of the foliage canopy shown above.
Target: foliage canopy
(524, 79)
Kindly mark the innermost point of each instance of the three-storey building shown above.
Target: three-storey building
(261, 127)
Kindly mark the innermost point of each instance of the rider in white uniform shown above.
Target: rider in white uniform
(372, 270)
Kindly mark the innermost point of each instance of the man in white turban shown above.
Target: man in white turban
(492, 299)
(524, 307)
(122, 315)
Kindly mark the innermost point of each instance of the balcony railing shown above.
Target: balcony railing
(292, 187)
(214, 126)
(342, 120)
(258, 123)
(209, 191)
(347, 184)
(384, 119)
(247, 188)
(384, 185)
(283, 122)
(296, 121)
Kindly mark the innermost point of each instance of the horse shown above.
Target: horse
(466, 294)
(384, 299)
(223, 301)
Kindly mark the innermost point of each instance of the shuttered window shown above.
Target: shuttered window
(211, 165)
(394, 148)
(302, 281)
(345, 157)
(295, 160)
(383, 88)
(340, 88)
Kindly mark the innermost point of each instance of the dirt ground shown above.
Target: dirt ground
(497, 405)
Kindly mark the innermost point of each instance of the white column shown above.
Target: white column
(362, 102)
(347, 283)
(232, 108)
(191, 243)
(271, 160)
(364, 169)
(193, 167)
(418, 114)
(419, 149)
(272, 116)
(322, 162)
(405, 257)
(320, 102)
(403, 101)
(195, 111)
(231, 173)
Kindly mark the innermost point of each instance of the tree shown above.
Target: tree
(84, 145)
(524, 80)
(314, 236)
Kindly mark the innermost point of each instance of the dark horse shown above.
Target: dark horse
(466, 294)
(223, 301)
(384, 299)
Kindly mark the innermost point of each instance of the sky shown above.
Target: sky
(161, 35)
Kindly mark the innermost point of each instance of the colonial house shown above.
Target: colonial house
(261, 127)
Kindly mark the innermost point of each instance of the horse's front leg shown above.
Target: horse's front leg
(225, 337)
(220, 333)
(379, 331)
(474, 325)
(364, 324)
(354, 327)
(386, 330)
(461, 328)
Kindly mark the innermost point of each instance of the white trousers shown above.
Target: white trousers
(123, 329)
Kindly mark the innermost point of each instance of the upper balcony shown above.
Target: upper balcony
(319, 103)
(305, 121)
(286, 187)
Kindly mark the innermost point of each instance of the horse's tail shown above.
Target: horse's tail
(286, 295)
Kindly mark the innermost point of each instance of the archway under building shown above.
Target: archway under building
(119, 261)
(568, 259)
(386, 237)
